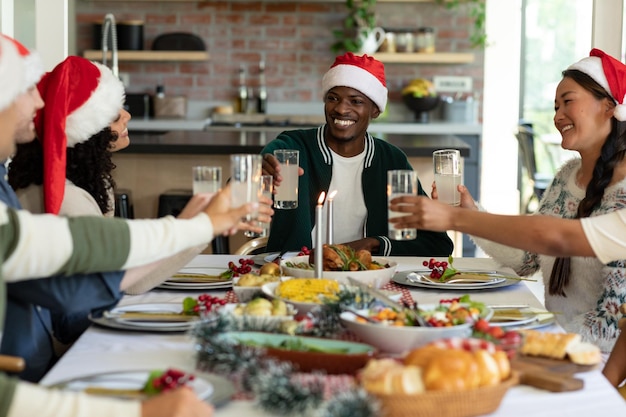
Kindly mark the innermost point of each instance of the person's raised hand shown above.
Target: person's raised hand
(467, 201)
(196, 204)
(271, 166)
(424, 213)
(227, 220)
(181, 402)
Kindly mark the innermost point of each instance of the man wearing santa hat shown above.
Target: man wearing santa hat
(341, 155)
(24, 237)
(42, 312)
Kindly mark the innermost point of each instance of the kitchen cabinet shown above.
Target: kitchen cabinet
(197, 56)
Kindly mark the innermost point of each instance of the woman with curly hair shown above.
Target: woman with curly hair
(95, 126)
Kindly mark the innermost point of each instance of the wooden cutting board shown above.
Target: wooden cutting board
(553, 375)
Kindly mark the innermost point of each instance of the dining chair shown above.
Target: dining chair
(538, 181)
(252, 246)
(13, 364)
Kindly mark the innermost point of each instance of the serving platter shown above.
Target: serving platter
(492, 280)
(328, 355)
(159, 317)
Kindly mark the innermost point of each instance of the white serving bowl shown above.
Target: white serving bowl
(259, 321)
(270, 290)
(376, 278)
(245, 294)
(398, 339)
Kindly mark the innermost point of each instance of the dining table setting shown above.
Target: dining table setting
(185, 330)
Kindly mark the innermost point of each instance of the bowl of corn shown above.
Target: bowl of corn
(303, 293)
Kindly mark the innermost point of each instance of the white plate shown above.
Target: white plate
(173, 283)
(531, 318)
(132, 380)
(152, 308)
(263, 258)
(194, 286)
(401, 278)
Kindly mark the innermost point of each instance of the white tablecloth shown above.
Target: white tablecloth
(103, 350)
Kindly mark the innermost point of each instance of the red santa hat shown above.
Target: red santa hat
(610, 74)
(82, 98)
(19, 70)
(363, 73)
(33, 67)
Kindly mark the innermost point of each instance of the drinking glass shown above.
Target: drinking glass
(245, 180)
(206, 179)
(400, 182)
(448, 175)
(287, 193)
(266, 185)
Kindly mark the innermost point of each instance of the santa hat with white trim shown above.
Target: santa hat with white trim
(363, 73)
(82, 98)
(33, 67)
(11, 72)
(610, 74)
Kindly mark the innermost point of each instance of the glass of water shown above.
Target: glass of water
(266, 185)
(245, 180)
(448, 175)
(207, 179)
(400, 182)
(287, 193)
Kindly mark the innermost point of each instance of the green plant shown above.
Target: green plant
(477, 11)
(361, 19)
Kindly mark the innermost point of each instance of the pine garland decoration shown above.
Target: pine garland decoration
(277, 393)
(352, 403)
(272, 381)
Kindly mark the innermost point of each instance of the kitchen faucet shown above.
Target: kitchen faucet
(109, 25)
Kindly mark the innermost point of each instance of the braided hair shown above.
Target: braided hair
(611, 154)
(89, 166)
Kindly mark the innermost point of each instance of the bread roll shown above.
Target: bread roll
(549, 345)
(387, 376)
(584, 353)
(488, 369)
(504, 365)
(423, 356)
(451, 370)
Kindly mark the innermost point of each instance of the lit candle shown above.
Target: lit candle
(330, 233)
(319, 228)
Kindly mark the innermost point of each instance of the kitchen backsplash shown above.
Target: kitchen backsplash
(293, 38)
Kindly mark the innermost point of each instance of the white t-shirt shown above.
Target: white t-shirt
(607, 235)
(349, 211)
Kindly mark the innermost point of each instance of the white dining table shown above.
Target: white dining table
(101, 350)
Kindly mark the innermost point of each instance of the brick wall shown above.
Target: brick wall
(293, 38)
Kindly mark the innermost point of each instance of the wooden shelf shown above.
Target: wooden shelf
(425, 58)
(96, 55)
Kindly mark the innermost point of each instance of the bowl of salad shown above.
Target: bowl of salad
(397, 332)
